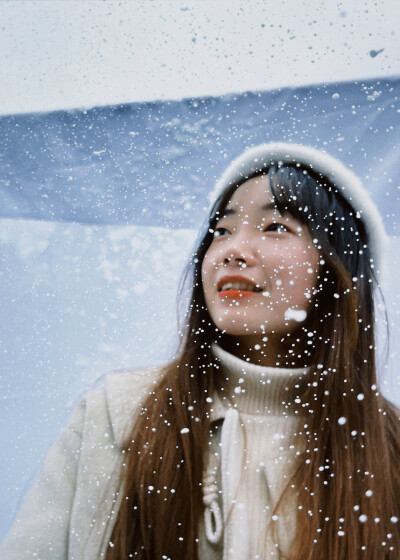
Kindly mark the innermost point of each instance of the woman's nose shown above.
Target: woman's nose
(239, 254)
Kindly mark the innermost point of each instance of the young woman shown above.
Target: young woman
(267, 437)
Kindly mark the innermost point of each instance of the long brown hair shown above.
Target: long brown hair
(347, 483)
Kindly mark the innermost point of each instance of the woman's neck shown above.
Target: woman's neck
(255, 389)
(288, 351)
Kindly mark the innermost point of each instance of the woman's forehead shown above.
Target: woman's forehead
(254, 194)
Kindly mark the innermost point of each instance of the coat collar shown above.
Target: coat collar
(125, 392)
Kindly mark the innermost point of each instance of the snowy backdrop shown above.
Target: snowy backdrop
(99, 211)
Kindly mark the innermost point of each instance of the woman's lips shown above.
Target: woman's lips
(237, 287)
(236, 294)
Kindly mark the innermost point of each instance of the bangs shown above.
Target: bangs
(315, 202)
(308, 198)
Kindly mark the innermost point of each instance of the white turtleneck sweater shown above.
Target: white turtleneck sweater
(251, 459)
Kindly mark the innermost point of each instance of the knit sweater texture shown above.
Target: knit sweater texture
(258, 449)
(253, 452)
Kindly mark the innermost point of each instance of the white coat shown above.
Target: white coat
(63, 515)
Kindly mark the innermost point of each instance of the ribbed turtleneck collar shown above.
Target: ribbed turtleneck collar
(255, 389)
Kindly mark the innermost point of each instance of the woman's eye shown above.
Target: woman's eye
(220, 231)
(279, 228)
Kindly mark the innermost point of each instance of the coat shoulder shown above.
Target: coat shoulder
(125, 391)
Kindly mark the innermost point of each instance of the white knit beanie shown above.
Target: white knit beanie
(256, 159)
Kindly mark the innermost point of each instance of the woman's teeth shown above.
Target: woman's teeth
(240, 286)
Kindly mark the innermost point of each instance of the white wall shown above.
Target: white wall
(59, 54)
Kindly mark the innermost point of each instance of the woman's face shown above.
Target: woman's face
(260, 270)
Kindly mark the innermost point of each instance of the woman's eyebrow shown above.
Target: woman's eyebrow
(232, 211)
(227, 212)
(269, 206)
